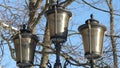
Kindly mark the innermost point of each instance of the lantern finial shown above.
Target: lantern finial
(24, 26)
(91, 16)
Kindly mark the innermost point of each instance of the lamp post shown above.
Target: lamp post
(58, 19)
(25, 44)
(92, 34)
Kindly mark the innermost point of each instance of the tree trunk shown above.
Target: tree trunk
(44, 58)
(113, 41)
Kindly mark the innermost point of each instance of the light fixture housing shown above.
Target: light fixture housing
(92, 35)
(25, 43)
(58, 19)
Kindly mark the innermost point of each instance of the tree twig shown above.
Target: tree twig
(98, 8)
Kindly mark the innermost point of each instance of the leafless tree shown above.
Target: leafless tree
(31, 12)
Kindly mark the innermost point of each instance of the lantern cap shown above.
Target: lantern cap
(93, 23)
(59, 9)
(91, 20)
(25, 28)
(25, 32)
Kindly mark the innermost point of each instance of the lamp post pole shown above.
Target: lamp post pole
(92, 63)
(58, 48)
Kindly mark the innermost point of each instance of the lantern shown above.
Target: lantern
(58, 19)
(25, 44)
(92, 34)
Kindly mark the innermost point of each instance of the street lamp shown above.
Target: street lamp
(25, 44)
(58, 19)
(92, 34)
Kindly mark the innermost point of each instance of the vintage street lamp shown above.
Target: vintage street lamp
(58, 19)
(92, 34)
(25, 44)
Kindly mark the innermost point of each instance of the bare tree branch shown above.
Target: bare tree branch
(40, 15)
(2, 24)
(113, 41)
(44, 58)
(98, 8)
(66, 3)
(33, 6)
(10, 47)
